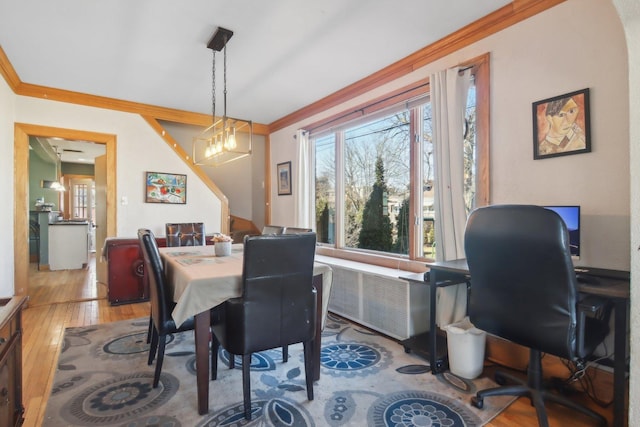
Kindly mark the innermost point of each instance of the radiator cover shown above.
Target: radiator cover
(377, 298)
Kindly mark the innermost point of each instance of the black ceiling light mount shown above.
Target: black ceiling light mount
(220, 39)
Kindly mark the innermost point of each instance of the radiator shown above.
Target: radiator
(377, 298)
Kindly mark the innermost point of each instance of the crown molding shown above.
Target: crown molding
(52, 94)
(517, 11)
(8, 72)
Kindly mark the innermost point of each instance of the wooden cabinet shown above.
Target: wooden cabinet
(11, 409)
(126, 279)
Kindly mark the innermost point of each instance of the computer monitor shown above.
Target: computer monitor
(571, 217)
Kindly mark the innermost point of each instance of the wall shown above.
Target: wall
(258, 206)
(139, 149)
(77, 169)
(529, 62)
(598, 181)
(241, 181)
(630, 15)
(39, 170)
(7, 114)
(237, 181)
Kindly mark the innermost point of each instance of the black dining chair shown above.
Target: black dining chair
(181, 234)
(277, 307)
(185, 234)
(295, 230)
(524, 289)
(161, 303)
(272, 229)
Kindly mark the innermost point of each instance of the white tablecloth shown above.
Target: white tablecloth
(199, 280)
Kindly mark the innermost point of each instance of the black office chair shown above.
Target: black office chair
(185, 234)
(161, 303)
(277, 306)
(524, 289)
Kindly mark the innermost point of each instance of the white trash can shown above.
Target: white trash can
(465, 344)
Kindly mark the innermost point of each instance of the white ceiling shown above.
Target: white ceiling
(49, 149)
(284, 54)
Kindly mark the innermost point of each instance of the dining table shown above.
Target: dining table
(198, 281)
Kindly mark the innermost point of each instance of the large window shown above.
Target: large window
(374, 192)
(376, 182)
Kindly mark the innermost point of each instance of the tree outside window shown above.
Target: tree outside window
(368, 163)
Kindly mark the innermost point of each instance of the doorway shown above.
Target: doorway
(21, 189)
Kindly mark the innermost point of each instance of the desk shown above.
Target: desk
(200, 281)
(453, 272)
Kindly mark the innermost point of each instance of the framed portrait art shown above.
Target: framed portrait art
(284, 178)
(561, 125)
(165, 188)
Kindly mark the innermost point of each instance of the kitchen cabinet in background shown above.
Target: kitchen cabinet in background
(68, 245)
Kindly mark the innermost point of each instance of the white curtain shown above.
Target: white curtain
(302, 190)
(449, 90)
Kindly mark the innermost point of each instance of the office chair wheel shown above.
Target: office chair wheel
(477, 402)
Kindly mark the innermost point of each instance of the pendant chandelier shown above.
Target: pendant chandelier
(228, 138)
(55, 185)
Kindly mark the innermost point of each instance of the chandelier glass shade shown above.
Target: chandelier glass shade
(54, 185)
(228, 138)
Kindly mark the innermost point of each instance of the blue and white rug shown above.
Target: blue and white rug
(366, 380)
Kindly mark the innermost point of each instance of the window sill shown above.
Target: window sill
(374, 259)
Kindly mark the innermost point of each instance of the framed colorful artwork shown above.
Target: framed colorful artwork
(561, 125)
(165, 188)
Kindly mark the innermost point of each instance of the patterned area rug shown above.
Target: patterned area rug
(366, 380)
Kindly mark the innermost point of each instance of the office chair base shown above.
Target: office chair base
(537, 395)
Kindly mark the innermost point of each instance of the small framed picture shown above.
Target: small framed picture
(165, 188)
(283, 176)
(561, 125)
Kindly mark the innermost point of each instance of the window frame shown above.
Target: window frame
(480, 71)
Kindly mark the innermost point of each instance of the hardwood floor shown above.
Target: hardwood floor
(61, 299)
(58, 300)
